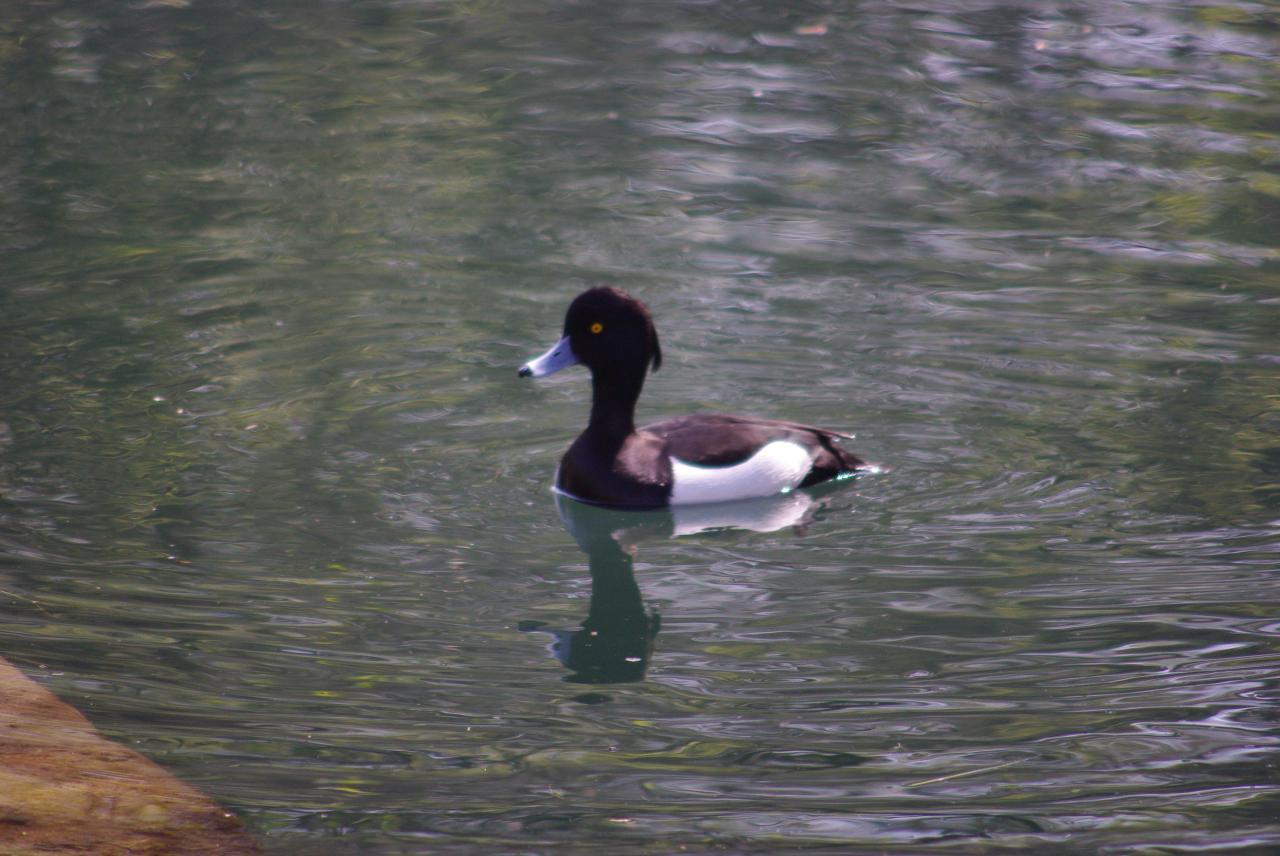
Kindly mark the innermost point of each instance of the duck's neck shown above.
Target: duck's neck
(613, 405)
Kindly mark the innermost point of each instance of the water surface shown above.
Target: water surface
(275, 510)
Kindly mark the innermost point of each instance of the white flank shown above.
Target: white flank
(779, 466)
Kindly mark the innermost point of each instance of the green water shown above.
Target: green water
(275, 510)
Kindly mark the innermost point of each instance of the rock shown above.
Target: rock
(64, 788)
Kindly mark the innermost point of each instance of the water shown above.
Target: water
(274, 508)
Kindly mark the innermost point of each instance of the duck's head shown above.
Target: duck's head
(606, 330)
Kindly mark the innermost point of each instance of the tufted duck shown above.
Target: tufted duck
(705, 457)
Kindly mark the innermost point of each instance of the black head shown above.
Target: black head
(611, 332)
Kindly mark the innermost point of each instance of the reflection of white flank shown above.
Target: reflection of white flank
(757, 515)
(778, 467)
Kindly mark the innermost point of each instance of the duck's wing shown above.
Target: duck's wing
(721, 440)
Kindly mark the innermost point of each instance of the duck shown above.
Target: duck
(688, 460)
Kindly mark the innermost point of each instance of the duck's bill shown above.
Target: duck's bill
(561, 356)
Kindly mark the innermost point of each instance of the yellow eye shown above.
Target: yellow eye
(597, 327)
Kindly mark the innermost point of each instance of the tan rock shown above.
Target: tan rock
(64, 788)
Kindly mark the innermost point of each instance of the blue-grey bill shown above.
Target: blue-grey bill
(560, 356)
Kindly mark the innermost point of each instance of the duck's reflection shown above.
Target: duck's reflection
(617, 638)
